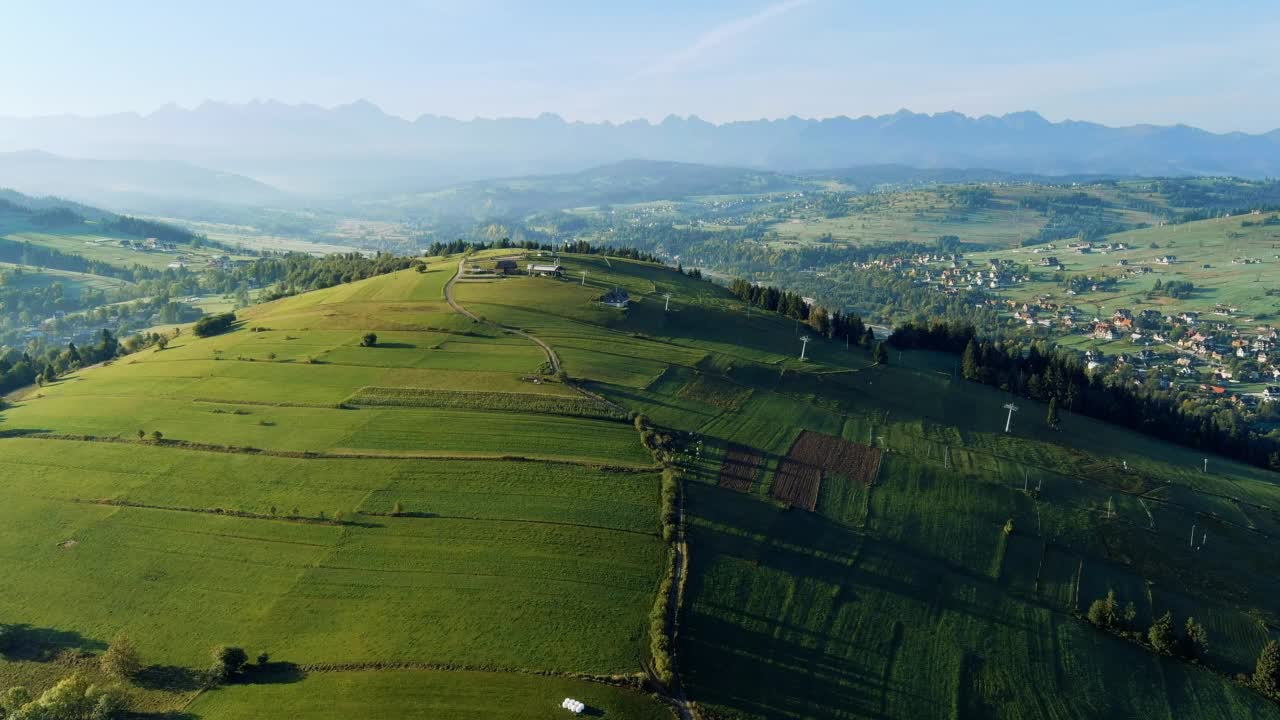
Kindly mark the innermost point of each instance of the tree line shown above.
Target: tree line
(580, 247)
(19, 369)
(1061, 377)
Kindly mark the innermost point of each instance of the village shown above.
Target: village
(1215, 349)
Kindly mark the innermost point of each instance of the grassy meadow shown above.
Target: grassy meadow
(515, 531)
(907, 598)
(948, 583)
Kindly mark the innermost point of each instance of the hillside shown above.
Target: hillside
(418, 522)
(631, 181)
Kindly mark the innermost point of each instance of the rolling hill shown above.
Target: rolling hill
(414, 525)
(630, 181)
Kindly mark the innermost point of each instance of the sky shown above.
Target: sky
(1121, 62)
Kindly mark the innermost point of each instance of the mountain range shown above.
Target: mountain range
(357, 149)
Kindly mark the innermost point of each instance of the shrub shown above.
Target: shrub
(1266, 674)
(157, 436)
(1105, 613)
(121, 661)
(213, 324)
(1195, 639)
(1161, 635)
(73, 698)
(228, 661)
(369, 340)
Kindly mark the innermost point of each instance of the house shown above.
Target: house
(505, 267)
(1050, 261)
(1167, 259)
(1272, 392)
(616, 298)
(1103, 331)
(545, 270)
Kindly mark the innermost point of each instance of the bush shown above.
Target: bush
(369, 340)
(1195, 640)
(1266, 674)
(214, 324)
(73, 698)
(121, 661)
(228, 661)
(1161, 635)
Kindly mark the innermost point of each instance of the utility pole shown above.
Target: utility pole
(804, 345)
(1206, 465)
(1193, 536)
(666, 307)
(584, 278)
(1009, 421)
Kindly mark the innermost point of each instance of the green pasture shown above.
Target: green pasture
(424, 694)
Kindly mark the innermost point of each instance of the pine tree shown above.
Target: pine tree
(1195, 639)
(881, 354)
(969, 361)
(1161, 635)
(1266, 674)
(1052, 418)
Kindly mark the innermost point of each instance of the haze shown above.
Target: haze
(1145, 62)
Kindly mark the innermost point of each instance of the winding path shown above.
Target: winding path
(448, 297)
(676, 696)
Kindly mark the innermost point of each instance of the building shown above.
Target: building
(616, 298)
(545, 270)
(505, 267)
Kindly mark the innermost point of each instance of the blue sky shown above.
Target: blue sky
(1209, 65)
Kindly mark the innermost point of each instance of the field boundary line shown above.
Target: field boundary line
(312, 455)
(476, 518)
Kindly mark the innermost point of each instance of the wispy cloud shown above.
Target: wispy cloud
(716, 37)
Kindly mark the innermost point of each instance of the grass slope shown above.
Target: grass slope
(228, 531)
(906, 599)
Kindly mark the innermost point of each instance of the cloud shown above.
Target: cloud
(718, 36)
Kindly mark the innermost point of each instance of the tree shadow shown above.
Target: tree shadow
(395, 345)
(272, 673)
(24, 642)
(169, 677)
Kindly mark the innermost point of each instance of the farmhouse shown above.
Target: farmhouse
(545, 270)
(505, 267)
(616, 298)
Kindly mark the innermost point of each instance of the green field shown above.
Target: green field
(425, 694)
(496, 535)
(528, 536)
(1205, 251)
(105, 247)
